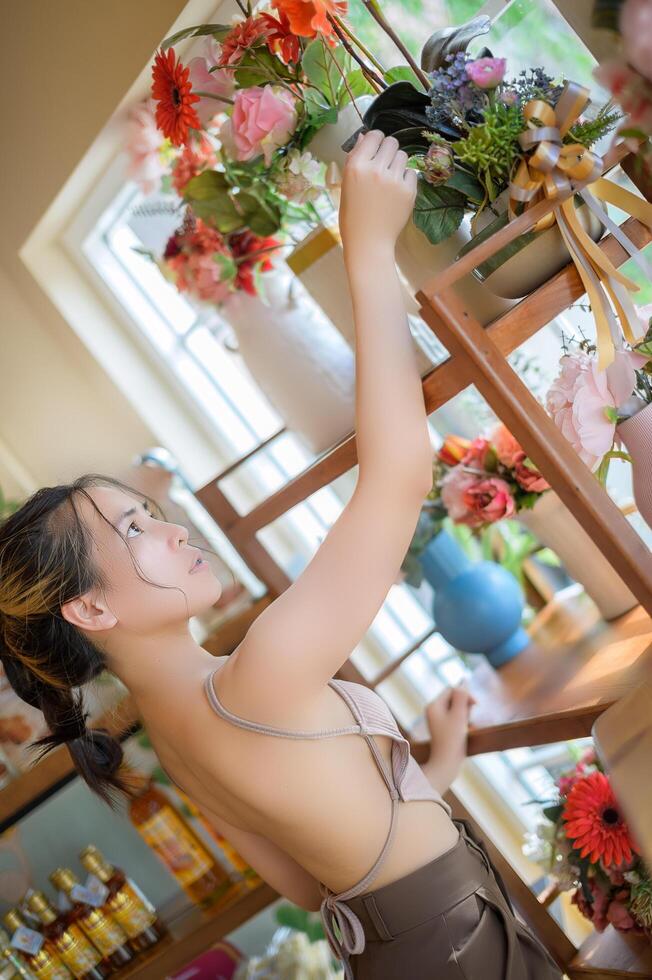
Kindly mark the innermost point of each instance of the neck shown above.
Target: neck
(160, 665)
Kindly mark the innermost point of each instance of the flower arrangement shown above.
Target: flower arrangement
(587, 404)
(586, 844)
(210, 266)
(476, 483)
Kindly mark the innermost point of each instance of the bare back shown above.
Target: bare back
(322, 802)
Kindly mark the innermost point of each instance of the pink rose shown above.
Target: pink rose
(477, 454)
(600, 907)
(488, 501)
(486, 72)
(506, 446)
(635, 24)
(219, 83)
(583, 401)
(527, 475)
(632, 90)
(453, 490)
(263, 119)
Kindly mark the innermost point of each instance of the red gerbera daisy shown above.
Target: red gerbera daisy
(595, 824)
(310, 17)
(174, 97)
(280, 39)
(238, 41)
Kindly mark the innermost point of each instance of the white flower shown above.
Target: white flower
(302, 178)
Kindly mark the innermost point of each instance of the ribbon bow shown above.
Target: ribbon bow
(550, 168)
(349, 927)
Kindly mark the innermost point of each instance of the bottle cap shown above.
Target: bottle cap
(93, 860)
(38, 903)
(13, 919)
(63, 879)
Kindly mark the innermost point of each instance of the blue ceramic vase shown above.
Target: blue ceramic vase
(478, 605)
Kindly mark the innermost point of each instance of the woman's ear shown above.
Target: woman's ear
(89, 612)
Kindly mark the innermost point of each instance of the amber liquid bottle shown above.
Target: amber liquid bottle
(125, 902)
(81, 957)
(35, 951)
(12, 967)
(178, 847)
(100, 927)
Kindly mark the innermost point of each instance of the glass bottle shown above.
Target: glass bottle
(177, 846)
(33, 949)
(98, 924)
(11, 967)
(82, 958)
(125, 901)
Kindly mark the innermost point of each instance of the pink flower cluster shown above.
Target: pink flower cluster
(607, 907)
(488, 478)
(191, 255)
(583, 401)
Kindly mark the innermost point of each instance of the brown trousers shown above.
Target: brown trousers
(449, 920)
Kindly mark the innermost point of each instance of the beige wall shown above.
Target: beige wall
(67, 65)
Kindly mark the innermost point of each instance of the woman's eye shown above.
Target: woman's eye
(133, 524)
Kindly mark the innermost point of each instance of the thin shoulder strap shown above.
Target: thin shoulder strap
(255, 726)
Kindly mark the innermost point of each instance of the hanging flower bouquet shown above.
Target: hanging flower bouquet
(587, 404)
(586, 844)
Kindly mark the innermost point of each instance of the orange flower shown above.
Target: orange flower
(453, 450)
(280, 40)
(172, 91)
(595, 824)
(310, 17)
(245, 35)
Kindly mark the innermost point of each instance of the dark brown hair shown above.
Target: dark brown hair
(45, 561)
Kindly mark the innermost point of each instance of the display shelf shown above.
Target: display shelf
(612, 954)
(194, 930)
(576, 666)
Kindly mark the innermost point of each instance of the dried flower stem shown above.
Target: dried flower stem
(346, 84)
(344, 27)
(375, 12)
(376, 82)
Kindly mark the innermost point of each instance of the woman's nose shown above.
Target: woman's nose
(179, 535)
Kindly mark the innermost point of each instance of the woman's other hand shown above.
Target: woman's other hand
(378, 193)
(448, 720)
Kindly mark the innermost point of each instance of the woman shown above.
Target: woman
(308, 776)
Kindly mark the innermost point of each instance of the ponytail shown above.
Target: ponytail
(45, 561)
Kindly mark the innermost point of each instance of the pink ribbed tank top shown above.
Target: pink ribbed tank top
(405, 782)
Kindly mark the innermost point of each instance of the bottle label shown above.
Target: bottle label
(27, 940)
(90, 896)
(180, 852)
(45, 967)
(103, 932)
(77, 953)
(129, 911)
(97, 887)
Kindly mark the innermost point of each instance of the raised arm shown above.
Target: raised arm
(300, 641)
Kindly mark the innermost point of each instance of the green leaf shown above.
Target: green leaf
(438, 211)
(403, 73)
(228, 268)
(261, 215)
(218, 31)
(553, 813)
(209, 197)
(319, 64)
(469, 185)
(358, 83)
(259, 66)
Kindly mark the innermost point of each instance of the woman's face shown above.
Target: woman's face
(151, 548)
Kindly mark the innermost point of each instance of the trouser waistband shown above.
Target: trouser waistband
(427, 892)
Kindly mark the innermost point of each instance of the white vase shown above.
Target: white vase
(299, 360)
(538, 261)
(419, 260)
(326, 144)
(636, 435)
(556, 527)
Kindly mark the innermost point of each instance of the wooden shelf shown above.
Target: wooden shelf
(195, 930)
(576, 667)
(611, 954)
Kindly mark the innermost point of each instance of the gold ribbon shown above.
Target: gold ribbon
(549, 168)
